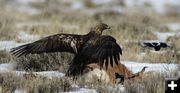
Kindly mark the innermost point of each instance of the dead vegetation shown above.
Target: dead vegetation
(5, 57)
(32, 84)
(132, 25)
(7, 28)
(45, 62)
(153, 83)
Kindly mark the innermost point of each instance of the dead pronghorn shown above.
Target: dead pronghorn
(116, 74)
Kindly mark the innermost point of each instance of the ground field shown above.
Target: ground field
(24, 21)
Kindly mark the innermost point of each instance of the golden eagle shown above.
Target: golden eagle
(89, 48)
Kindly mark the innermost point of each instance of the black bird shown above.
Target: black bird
(89, 48)
(156, 45)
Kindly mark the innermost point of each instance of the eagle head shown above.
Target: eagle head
(101, 27)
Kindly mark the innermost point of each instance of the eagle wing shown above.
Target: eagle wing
(103, 48)
(55, 43)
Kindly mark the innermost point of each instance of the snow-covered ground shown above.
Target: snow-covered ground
(163, 36)
(80, 90)
(134, 66)
(6, 45)
(23, 6)
(83, 90)
(159, 67)
(8, 66)
(173, 26)
(11, 68)
(26, 37)
(158, 5)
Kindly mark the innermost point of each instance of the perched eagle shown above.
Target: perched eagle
(89, 48)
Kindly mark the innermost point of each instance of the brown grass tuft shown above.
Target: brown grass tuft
(45, 62)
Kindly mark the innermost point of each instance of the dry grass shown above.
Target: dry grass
(133, 25)
(167, 57)
(175, 42)
(153, 83)
(32, 84)
(45, 62)
(5, 57)
(7, 29)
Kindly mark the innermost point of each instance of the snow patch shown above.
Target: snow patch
(29, 1)
(83, 90)
(27, 37)
(8, 66)
(50, 74)
(6, 45)
(101, 1)
(162, 36)
(11, 68)
(24, 6)
(77, 5)
(151, 41)
(158, 5)
(158, 67)
(173, 26)
(20, 91)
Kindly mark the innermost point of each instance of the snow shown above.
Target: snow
(8, 66)
(163, 36)
(47, 74)
(151, 41)
(173, 26)
(101, 1)
(119, 87)
(29, 1)
(27, 37)
(6, 45)
(50, 74)
(24, 6)
(83, 90)
(158, 67)
(158, 5)
(20, 91)
(134, 66)
(11, 68)
(77, 5)
(80, 90)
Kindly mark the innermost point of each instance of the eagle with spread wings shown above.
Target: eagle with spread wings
(92, 47)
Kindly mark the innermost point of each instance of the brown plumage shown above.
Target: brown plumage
(89, 48)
